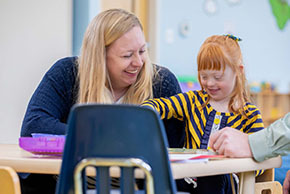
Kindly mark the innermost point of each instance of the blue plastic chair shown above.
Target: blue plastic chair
(98, 132)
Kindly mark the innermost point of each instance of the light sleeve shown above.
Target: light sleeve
(271, 141)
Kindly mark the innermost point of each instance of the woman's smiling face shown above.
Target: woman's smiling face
(125, 58)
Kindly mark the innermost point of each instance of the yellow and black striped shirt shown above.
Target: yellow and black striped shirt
(199, 120)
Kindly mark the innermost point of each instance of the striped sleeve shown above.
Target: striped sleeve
(255, 121)
(175, 106)
(254, 124)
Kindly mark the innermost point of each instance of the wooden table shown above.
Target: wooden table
(22, 161)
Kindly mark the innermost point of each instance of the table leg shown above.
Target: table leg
(247, 183)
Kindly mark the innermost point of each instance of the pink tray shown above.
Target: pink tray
(52, 145)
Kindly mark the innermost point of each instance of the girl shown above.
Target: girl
(222, 102)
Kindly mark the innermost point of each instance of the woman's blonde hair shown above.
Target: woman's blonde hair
(94, 81)
(215, 53)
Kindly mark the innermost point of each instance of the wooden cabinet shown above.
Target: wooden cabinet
(272, 105)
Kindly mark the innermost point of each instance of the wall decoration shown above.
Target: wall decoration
(210, 6)
(281, 11)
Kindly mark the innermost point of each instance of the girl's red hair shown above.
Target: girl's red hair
(215, 53)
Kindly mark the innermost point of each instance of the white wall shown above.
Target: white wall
(33, 35)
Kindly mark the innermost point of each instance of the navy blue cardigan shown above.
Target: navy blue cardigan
(49, 106)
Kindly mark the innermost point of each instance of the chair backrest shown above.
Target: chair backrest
(9, 181)
(116, 131)
(265, 183)
(268, 187)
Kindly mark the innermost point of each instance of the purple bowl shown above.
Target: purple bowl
(43, 145)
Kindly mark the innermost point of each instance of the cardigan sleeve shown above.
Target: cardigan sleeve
(165, 83)
(49, 106)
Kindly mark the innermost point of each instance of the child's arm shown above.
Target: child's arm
(174, 106)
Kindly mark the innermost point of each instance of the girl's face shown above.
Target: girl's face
(218, 84)
(125, 58)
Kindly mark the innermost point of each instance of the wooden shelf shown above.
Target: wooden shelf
(272, 105)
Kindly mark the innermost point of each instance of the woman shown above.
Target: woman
(113, 67)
